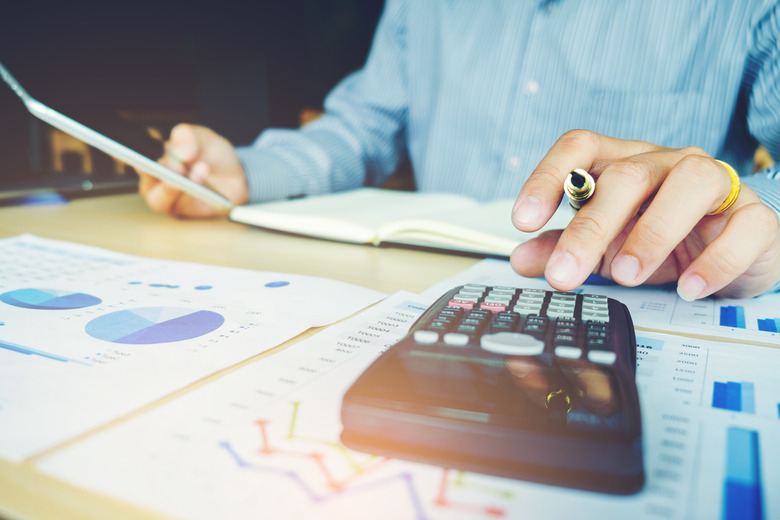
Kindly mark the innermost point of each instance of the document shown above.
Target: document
(89, 335)
(386, 217)
(263, 441)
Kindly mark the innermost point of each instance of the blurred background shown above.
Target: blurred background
(132, 70)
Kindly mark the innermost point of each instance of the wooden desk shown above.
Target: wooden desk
(123, 223)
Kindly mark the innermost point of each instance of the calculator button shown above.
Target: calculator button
(502, 326)
(564, 339)
(468, 297)
(492, 307)
(455, 339)
(568, 352)
(463, 304)
(426, 337)
(527, 309)
(475, 287)
(498, 299)
(468, 329)
(561, 313)
(595, 316)
(602, 357)
(512, 343)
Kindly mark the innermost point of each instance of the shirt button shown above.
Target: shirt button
(531, 87)
(513, 163)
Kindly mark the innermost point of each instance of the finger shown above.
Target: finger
(622, 188)
(184, 144)
(541, 193)
(145, 182)
(530, 258)
(749, 233)
(695, 185)
(162, 198)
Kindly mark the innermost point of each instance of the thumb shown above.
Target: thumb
(186, 143)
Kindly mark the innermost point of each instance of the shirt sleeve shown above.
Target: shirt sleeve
(359, 139)
(763, 114)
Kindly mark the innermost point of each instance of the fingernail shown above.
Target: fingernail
(691, 287)
(199, 172)
(183, 151)
(625, 268)
(527, 211)
(562, 268)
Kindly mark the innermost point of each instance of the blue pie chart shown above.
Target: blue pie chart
(150, 325)
(48, 299)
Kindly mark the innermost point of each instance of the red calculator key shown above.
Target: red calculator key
(492, 307)
(463, 304)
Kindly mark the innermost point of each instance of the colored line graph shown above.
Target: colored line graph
(27, 351)
(351, 484)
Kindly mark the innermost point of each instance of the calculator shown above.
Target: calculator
(524, 383)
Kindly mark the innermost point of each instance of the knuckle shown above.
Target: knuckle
(653, 235)
(727, 261)
(761, 217)
(694, 150)
(545, 178)
(698, 168)
(632, 172)
(589, 228)
(578, 138)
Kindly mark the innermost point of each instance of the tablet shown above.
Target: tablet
(113, 148)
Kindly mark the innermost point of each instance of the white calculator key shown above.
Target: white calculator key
(456, 339)
(568, 352)
(426, 337)
(602, 357)
(560, 313)
(512, 343)
(595, 316)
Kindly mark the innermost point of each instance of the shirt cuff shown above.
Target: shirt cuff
(268, 176)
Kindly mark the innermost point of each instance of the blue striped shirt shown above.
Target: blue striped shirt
(476, 92)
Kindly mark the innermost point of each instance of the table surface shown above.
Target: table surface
(124, 223)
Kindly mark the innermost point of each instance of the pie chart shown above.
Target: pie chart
(150, 325)
(48, 299)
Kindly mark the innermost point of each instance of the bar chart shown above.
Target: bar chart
(734, 396)
(742, 486)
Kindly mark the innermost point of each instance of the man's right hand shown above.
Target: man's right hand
(206, 158)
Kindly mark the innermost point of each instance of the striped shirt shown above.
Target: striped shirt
(476, 92)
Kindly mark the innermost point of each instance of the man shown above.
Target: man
(483, 97)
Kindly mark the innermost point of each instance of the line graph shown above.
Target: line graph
(364, 474)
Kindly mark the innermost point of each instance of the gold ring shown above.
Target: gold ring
(733, 192)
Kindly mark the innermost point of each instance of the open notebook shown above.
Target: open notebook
(385, 217)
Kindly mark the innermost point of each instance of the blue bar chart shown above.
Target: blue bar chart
(732, 316)
(742, 487)
(769, 324)
(734, 396)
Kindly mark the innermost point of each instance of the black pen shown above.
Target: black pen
(579, 188)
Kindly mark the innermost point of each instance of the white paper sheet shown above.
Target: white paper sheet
(88, 335)
(262, 442)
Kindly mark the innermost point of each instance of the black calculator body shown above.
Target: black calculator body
(523, 383)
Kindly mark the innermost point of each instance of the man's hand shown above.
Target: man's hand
(206, 158)
(647, 221)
